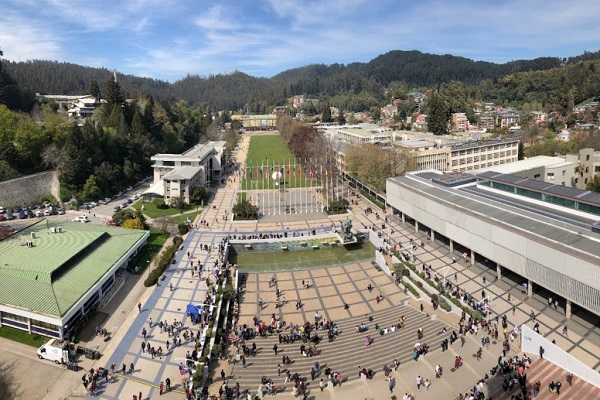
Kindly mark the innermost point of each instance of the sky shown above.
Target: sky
(169, 39)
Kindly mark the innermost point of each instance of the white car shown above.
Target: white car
(60, 211)
(81, 218)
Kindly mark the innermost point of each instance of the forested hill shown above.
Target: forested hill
(238, 90)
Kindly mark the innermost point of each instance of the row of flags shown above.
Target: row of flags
(264, 172)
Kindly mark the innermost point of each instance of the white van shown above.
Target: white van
(81, 218)
(55, 350)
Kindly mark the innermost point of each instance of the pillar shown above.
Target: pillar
(416, 226)
(29, 325)
(403, 219)
(451, 245)
(568, 309)
(498, 271)
(472, 257)
(432, 235)
(529, 288)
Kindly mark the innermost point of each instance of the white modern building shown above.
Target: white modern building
(176, 175)
(550, 249)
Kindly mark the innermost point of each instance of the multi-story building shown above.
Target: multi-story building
(507, 118)
(472, 155)
(460, 122)
(359, 134)
(257, 122)
(176, 175)
(486, 121)
(446, 153)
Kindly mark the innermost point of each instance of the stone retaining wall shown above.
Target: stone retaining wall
(28, 189)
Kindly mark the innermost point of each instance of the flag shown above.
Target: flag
(250, 174)
(256, 172)
(261, 172)
(288, 170)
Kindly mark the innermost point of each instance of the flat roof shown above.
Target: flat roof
(187, 172)
(522, 165)
(570, 242)
(53, 275)
(584, 196)
(364, 132)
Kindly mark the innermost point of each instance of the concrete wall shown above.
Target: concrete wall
(531, 342)
(29, 188)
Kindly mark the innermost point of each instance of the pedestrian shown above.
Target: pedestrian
(144, 332)
(321, 385)
(550, 301)
(570, 378)
(536, 388)
(140, 395)
(275, 348)
(427, 384)
(513, 309)
(161, 387)
(542, 352)
(131, 367)
(171, 286)
(391, 384)
(124, 369)
(260, 303)
(556, 304)
(143, 347)
(455, 277)
(484, 280)
(565, 331)
(140, 307)
(479, 352)
(419, 380)
(150, 323)
(222, 375)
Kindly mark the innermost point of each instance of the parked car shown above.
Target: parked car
(1, 210)
(60, 211)
(117, 208)
(81, 218)
(101, 202)
(107, 200)
(47, 212)
(39, 213)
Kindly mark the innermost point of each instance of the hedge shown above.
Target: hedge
(163, 263)
(373, 199)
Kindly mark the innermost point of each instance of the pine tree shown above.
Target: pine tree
(437, 117)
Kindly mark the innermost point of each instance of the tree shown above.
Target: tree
(95, 90)
(243, 209)
(178, 203)
(370, 164)
(199, 193)
(326, 113)
(341, 119)
(91, 191)
(594, 184)
(133, 223)
(437, 115)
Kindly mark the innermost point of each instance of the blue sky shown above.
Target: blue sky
(169, 39)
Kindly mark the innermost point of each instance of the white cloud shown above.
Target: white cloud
(216, 18)
(21, 40)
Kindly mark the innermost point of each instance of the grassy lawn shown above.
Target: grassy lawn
(182, 219)
(259, 261)
(17, 335)
(269, 153)
(152, 212)
(155, 242)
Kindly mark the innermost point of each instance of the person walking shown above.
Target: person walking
(427, 384)
(275, 348)
(143, 347)
(321, 385)
(570, 378)
(139, 307)
(150, 323)
(223, 375)
(565, 331)
(419, 380)
(131, 368)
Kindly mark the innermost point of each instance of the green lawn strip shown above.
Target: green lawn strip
(182, 218)
(155, 242)
(17, 335)
(271, 154)
(152, 212)
(301, 259)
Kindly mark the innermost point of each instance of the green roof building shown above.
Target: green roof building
(54, 272)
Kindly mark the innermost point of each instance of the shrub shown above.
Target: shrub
(183, 229)
(434, 297)
(406, 272)
(419, 284)
(444, 304)
(160, 204)
(411, 289)
(198, 376)
(163, 263)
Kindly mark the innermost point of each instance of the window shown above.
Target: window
(550, 176)
(587, 157)
(564, 172)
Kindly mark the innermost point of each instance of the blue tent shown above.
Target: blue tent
(195, 312)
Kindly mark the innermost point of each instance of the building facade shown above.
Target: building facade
(176, 175)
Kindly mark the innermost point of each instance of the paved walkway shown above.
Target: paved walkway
(161, 303)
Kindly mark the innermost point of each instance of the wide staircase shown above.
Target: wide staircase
(344, 354)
